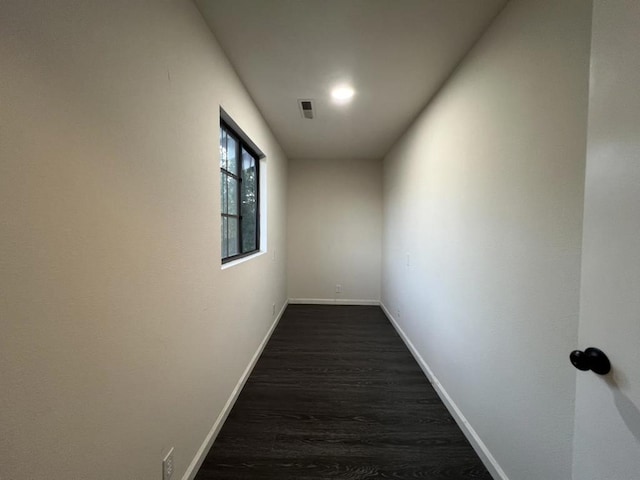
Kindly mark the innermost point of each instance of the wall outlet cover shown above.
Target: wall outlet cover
(168, 466)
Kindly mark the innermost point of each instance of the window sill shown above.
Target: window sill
(242, 260)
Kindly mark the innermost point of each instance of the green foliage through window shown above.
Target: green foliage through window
(239, 196)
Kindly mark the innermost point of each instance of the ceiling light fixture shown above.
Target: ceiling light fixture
(342, 94)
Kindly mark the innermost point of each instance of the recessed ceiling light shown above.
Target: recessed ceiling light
(342, 94)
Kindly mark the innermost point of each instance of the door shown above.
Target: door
(607, 420)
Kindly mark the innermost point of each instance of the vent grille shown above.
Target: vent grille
(306, 108)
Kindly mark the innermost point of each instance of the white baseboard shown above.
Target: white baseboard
(193, 468)
(331, 301)
(474, 439)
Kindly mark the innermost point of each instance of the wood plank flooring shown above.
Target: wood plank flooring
(337, 395)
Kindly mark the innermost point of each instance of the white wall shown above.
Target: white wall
(121, 336)
(485, 193)
(334, 230)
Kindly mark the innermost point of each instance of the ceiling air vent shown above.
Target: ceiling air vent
(306, 108)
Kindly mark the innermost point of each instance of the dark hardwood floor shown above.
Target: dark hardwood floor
(336, 394)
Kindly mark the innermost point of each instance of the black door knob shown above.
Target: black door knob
(592, 359)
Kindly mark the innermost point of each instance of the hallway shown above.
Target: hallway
(336, 394)
(180, 181)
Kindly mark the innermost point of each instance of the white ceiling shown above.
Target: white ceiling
(395, 53)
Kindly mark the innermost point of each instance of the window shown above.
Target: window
(239, 195)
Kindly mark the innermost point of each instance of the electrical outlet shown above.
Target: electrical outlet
(167, 466)
(338, 288)
(273, 309)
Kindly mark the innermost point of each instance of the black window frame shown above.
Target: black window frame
(242, 144)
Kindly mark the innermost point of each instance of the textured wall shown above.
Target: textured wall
(121, 334)
(334, 229)
(485, 195)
